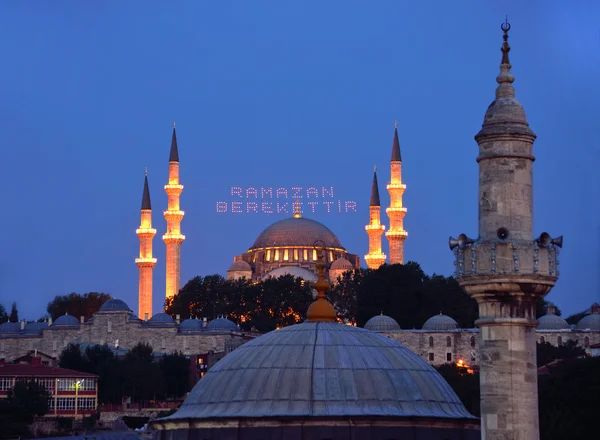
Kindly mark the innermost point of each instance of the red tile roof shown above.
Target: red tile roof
(27, 370)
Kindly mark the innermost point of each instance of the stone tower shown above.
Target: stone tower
(505, 269)
(145, 262)
(396, 212)
(375, 257)
(173, 215)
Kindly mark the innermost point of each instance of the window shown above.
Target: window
(472, 341)
(51, 404)
(448, 357)
(305, 255)
(88, 403)
(109, 327)
(66, 385)
(586, 342)
(330, 256)
(6, 383)
(542, 340)
(295, 254)
(65, 403)
(48, 384)
(448, 341)
(314, 255)
(559, 340)
(430, 357)
(276, 258)
(286, 255)
(268, 254)
(431, 341)
(87, 384)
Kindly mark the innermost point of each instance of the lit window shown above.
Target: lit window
(330, 256)
(286, 256)
(87, 384)
(66, 384)
(305, 255)
(51, 404)
(276, 255)
(295, 254)
(200, 361)
(86, 403)
(6, 383)
(448, 357)
(268, 254)
(314, 255)
(65, 404)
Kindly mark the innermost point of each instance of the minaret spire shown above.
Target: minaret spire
(375, 257)
(173, 215)
(396, 212)
(146, 261)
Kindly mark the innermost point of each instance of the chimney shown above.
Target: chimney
(22, 325)
(82, 319)
(145, 317)
(50, 321)
(204, 322)
(177, 319)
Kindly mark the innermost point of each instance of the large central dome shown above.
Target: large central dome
(300, 231)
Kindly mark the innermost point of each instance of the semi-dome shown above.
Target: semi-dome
(296, 231)
(551, 321)
(66, 320)
(221, 324)
(440, 323)
(190, 325)
(341, 264)
(240, 265)
(382, 323)
(320, 369)
(295, 271)
(591, 322)
(114, 305)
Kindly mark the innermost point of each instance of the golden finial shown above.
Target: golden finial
(321, 310)
(174, 124)
(146, 172)
(396, 124)
(297, 209)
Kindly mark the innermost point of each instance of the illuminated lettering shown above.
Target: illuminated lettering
(296, 190)
(339, 205)
(251, 192)
(298, 206)
(327, 193)
(236, 206)
(264, 191)
(236, 191)
(312, 191)
(328, 205)
(282, 208)
(221, 206)
(252, 207)
(267, 207)
(282, 192)
(312, 205)
(350, 206)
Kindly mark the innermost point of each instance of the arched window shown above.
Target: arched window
(472, 341)
(559, 340)
(542, 340)
(586, 342)
(448, 341)
(431, 341)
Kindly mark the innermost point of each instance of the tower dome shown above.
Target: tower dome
(296, 231)
(440, 323)
(382, 323)
(114, 305)
(551, 321)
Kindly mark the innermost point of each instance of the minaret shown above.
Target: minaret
(145, 262)
(375, 257)
(505, 269)
(396, 212)
(173, 215)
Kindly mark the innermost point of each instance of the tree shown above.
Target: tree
(547, 353)
(71, 358)
(77, 305)
(143, 376)
(175, 370)
(3, 315)
(14, 313)
(465, 384)
(541, 305)
(343, 294)
(576, 317)
(24, 402)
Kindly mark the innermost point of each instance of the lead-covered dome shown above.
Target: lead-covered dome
(551, 321)
(66, 321)
(320, 369)
(114, 305)
(222, 324)
(440, 323)
(382, 323)
(294, 231)
(591, 322)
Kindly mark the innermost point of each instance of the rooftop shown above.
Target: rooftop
(27, 370)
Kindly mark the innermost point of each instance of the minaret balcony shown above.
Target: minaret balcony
(511, 257)
(375, 228)
(396, 233)
(396, 209)
(173, 189)
(375, 257)
(401, 186)
(145, 262)
(146, 231)
(173, 238)
(173, 215)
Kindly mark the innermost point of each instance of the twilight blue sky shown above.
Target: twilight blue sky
(278, 93)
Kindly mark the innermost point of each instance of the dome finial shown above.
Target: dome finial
(297, 209)
(505, 78)
(321, 310)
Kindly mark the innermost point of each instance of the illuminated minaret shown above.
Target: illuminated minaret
(375, 257)
(145, 262)
(396, 234)
(173, 238)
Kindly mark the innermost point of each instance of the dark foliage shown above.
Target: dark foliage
(27, 400)
(464, 384)
(541, 305)
(569, 398)
(14, 313)
(77, 305)
(575, 318)
(3, 315)
(175, 369)
(547, 352)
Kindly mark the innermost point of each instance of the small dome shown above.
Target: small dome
(318, 369)
(239, 266)
(590, 322)
(190, 325)
(221, 324)
(440, 323)
(382, 323)
(10, 328)
(551, 321)
(294, 231)
(66, 320)
(295, 271)
(114, 305)
(161, 317)
(133, 317)
(341, 264)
